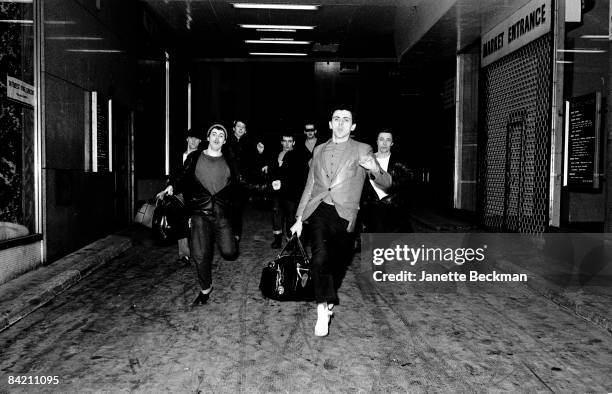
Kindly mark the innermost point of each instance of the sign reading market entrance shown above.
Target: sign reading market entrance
(528, 23)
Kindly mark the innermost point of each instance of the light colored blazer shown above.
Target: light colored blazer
(344, 187)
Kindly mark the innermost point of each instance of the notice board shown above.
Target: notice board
(582, 141)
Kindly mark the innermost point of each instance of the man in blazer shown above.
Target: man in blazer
(330, 202)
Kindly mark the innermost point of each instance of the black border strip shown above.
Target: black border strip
(28, 239)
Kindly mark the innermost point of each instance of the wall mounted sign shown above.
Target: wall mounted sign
(531, 21)
(99, 133)
(582, 142)
(20, 91)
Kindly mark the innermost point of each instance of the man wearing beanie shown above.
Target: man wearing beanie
(208, 181)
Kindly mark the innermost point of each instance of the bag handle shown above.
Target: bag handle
(295, 239)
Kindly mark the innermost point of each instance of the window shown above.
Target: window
(17, 135)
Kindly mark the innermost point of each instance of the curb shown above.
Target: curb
(80, 264)
(557, 295)
(440, 224)
(425, 223)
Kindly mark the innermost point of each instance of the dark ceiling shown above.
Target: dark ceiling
(345, 30)
(354, 29)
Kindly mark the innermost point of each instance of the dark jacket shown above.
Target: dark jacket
(291, 174)
(198, 200)
(247, 159)
(398, 193)
(306, 154)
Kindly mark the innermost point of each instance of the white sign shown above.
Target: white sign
(610, 22)
(528, 23)
(20, 91)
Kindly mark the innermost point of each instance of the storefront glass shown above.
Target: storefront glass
(17, 197)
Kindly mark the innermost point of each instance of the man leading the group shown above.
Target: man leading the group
(330, 202)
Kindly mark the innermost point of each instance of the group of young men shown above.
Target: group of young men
(318, 184)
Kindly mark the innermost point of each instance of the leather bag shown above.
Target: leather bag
(287, 277)
(168, 223)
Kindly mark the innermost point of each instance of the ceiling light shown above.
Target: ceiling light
(277, 39)
(564, 61)
(297, 7)
(582, 50)
(277, 42)
(595, 36)
(277, 30)
(84, 38)
(277, 54)
(22, 21)
(95, 50)
(16, 1)
(292, 27)
(60, 23)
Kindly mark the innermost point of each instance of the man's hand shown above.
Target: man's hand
(297, 228)
(276, 185)
(369, 163)
(260, 147)
(169, 190)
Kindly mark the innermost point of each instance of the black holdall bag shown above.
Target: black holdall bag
(287, 277)
(169, 222)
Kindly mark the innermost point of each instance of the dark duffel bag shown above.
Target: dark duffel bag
(287, 277)
(169, 222)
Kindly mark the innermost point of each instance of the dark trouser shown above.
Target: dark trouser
(331, 251)
(238, 210)
(383, 217)
(183, 241)
(205, 231)
(283, 210)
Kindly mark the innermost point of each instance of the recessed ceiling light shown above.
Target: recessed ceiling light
(84, 38)
(585, 50)
(277, 39)
(60, 23)
(277, 54)
(277, 30)
(298, 7)
(595, 36)
(22, 21)
(292, 27)
(16, 1)
(276, 42)
(95, 50)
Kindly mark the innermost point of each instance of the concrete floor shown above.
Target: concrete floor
(129, 327)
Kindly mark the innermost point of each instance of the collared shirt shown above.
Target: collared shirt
(384, 164)
(331, 160)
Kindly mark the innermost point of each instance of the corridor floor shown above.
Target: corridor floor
(129, 327)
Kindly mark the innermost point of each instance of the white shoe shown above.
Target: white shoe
(323, 316)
